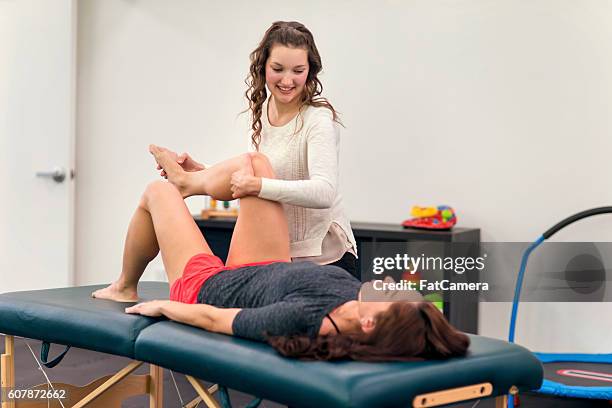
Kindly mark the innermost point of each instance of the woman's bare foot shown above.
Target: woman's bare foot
(173, 171)
(117, 293)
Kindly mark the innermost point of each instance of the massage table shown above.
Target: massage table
(69, 316)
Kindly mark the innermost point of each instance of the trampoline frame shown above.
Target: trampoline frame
(551, 387)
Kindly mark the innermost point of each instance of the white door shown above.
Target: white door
(37, 122)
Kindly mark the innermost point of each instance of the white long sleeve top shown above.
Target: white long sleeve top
(304, 154)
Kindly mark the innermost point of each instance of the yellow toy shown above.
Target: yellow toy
(441, 217)
(421, 212)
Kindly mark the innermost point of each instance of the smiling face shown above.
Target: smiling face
(286, 73)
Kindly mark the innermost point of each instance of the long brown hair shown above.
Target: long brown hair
(289, 34)
(405, 332)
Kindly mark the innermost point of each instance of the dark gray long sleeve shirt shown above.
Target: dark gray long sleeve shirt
(280, 299)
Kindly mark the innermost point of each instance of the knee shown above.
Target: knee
(261, 165)
(156, 190)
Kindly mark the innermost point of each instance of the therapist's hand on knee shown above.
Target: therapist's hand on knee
(244, 184)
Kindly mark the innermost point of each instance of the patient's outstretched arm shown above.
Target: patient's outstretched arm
(207, 317)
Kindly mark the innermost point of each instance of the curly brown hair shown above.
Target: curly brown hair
(404, 332)
(290, 34)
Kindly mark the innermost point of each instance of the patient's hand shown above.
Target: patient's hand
(152, 308)
(175, 174)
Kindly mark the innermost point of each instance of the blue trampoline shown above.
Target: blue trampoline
(567, 375)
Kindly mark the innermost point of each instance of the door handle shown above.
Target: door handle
(58, 174)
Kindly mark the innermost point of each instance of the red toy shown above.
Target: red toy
(434, 218)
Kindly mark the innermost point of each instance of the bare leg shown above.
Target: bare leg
(261, 232)
(214, 181)
(139, 249)
(161, 220)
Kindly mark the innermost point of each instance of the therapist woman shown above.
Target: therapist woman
(298, 130)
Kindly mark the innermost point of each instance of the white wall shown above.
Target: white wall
(498, 108)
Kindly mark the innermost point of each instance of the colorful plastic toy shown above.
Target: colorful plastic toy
(442, 217)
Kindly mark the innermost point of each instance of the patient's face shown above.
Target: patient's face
(373, 302)
(373, 308)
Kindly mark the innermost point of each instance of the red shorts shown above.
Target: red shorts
(198, 270)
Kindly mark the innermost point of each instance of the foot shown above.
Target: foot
(117, 293)
(173, 171)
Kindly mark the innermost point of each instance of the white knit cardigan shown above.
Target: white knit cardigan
(304, 154)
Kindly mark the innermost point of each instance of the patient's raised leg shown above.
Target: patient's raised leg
(261, 232)
(162, 222)
(214, 181)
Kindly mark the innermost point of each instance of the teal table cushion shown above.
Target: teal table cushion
(71, 316)
(257, 369)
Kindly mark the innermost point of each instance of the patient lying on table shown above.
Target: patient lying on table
(302, 309)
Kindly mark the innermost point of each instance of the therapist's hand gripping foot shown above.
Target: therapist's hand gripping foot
(214, 181)
(184, 181)
(184, 160)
